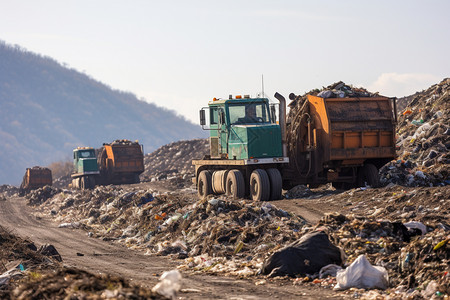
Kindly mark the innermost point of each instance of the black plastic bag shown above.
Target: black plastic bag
(305, 256)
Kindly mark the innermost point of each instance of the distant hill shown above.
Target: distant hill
(47, 109)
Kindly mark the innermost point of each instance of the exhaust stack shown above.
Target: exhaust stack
(282, 121)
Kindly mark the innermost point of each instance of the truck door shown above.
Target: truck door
(222, 131)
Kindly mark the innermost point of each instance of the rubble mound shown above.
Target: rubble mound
(71, 283)
(14, 249)
(28, 272)
(174, 159)
(41, 195)
(8, 190)
(167, 224)
(404, 229)
(423, 139)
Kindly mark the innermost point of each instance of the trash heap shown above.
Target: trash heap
(29, 272)
(423, 139)
(404, 230)
(38, 196)
(335, 90)
(174, 159)
(8, 190)
(175, 225)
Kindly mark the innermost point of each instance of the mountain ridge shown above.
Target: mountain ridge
(46, 110)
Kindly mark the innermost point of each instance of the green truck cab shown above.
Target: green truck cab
(246, 149)
(85, 168)
(243, 129)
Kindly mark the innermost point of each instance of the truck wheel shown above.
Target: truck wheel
(369, 174)
(204, 187)
(276, 183)
(259, 185)
(235, 184)
(219, 181)
(91, 182)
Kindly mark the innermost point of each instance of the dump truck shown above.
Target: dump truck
(85, 168)
(120, 162)
(252, 154)
(34, 178)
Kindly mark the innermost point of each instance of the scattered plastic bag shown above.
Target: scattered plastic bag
(329, 270)
(361, 274)
(308, 255)
(417, 225)
(70, 225)
(169, 285)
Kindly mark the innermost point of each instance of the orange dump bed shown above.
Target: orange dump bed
(353, 129)
(36, 177)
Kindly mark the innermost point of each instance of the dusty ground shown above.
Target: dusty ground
(99, 257)
(430, 206)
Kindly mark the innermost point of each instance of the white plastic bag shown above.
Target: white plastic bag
(361, 274)
(169, 285)
(418, 225)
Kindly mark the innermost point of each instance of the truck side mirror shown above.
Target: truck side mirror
(202, 117)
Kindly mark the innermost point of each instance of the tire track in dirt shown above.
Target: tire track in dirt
(106, 257)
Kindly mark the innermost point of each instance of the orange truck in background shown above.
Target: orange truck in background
(35, 178)
(120, 162)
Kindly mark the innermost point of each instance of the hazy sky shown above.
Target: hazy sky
(181, 54)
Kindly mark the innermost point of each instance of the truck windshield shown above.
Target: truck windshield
(87, 154)
(248, 113)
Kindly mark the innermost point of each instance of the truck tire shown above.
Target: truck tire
(276, 183)
(204, 187)
(235, 184)
(83, 183)
(369, 174)
(219, 181)
(259, 185)
(91, 182)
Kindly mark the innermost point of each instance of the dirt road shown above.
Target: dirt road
(97, 256)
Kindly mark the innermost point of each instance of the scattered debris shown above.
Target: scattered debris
(361, 274)
(174, 160)
(169, 285)
(423, 139)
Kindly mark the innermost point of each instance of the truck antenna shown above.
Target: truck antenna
(262, 83)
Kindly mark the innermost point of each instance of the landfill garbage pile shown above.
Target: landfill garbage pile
(405, 230)
(41, 195)
(173, 224)
(423, 139)
(8, 190)
(63, 181)
(174, 159)
(29, 272)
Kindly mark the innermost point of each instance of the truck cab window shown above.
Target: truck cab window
(248, 113)
(213, 114)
